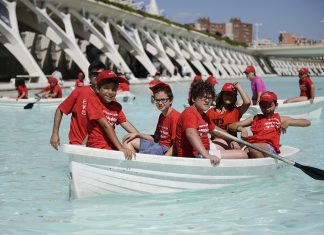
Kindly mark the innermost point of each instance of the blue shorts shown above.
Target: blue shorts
(151, 147)
(271, 149)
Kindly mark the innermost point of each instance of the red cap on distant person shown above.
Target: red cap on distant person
(229, 87)
(106, 74)
(249, 69)
(52, 80)
(159, 85)
(197, 78)
(268, 96)
(212, 80)
(122, 79)
(303, 71)
(157, 73)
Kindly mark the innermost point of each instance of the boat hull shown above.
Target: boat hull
(97, 172)
(13, 103)
(296, 110)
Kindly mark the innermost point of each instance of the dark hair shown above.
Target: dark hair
(19, 82)
(220, 102)
(166, 90)
(95, 65)
(107, 81)
(201, 88)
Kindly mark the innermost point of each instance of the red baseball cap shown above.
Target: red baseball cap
(157, 73)
(303, 71)
(197, 78)
(122, 79)
(159, 85)
(212, 80)
(52, 80)
(106, 74)
(229, 87)
(268, 96)
(249, 69)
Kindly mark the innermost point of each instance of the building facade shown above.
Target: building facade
(234, 29)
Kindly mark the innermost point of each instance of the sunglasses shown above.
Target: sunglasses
(94, 74)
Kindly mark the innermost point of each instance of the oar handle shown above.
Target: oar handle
(268, 153)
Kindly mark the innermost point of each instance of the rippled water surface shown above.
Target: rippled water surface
(34, 183)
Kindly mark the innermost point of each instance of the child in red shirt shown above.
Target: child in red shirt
(76, 104)
(51, 91)
(21, 88)
(161, 143)
(80, 80)
(104, 113)
(226, 112)
(306, 86)
(266, 127)
(194, 126)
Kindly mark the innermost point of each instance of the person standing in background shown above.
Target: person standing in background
(257, 84)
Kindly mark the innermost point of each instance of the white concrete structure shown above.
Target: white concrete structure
(70, 34)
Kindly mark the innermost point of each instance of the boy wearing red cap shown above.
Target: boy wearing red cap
(51, 91)
(226, 112)
(306, 86)
(257, 84)
(194, 126)
(161, 143)
(104, 113)
(76, 104)
(266, 127)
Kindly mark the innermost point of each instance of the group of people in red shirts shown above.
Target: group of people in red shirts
(95, 113)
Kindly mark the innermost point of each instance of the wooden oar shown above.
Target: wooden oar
(313, 172)
(30, 105)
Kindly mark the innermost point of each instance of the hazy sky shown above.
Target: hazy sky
(299, 17)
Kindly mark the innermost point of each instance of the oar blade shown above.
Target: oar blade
(313, 172)
(29, 106)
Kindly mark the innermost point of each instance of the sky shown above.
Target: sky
(298, 17)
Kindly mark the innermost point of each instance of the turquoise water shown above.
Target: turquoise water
(34, 184)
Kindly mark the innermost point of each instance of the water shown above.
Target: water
(34, 183)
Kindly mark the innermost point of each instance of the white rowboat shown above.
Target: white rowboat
(296, 110)
(97, 172)
(13, 103)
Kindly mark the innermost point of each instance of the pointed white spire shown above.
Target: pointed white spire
(152, 8)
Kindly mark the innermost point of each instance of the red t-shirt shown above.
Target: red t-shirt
(123, 87)
(166, 128)
(96, 110)
(266, 130)
(79, 83)
(305, 87)
(76, 103)
(21, 90)
(56, 89)
(222, 120)
(191, 118)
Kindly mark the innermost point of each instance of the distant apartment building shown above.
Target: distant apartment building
(290, 39)
(234, 29)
